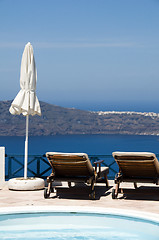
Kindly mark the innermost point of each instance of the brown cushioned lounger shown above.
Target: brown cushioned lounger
(74, 167)
(142, 167)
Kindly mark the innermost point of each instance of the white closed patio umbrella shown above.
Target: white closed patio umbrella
(26, 101)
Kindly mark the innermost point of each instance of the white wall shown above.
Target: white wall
(2, 166)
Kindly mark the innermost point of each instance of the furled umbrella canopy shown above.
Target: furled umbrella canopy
(26, 101)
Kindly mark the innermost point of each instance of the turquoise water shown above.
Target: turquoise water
(76, 226)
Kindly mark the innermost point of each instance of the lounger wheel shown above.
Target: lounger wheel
(114, 195)
(92, 195)
(46, 194)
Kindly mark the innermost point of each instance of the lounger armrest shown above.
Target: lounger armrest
(100, 161)
(98, 164)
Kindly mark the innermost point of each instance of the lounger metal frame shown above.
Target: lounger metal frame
(74, 168)
(136, 167)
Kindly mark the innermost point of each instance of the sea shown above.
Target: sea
(90, 144)
(102, 145)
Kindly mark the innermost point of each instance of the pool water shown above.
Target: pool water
(83, 226)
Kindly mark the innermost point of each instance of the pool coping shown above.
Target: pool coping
(81, 209)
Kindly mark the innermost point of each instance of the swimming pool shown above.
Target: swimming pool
(84, 225)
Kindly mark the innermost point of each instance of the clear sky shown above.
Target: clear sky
(90, 54)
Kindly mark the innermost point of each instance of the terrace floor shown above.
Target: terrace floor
(145, 198)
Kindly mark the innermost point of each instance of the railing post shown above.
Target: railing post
(2, 166)
(38, 166)
(9, 167)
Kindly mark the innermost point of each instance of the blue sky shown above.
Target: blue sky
(90, 54)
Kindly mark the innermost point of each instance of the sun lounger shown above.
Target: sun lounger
(74, 167)
(136, 167)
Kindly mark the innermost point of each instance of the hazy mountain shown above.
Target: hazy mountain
(59, 120)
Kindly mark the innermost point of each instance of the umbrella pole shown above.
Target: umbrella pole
(26, 148)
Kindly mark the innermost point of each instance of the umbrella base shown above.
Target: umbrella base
(28, 184)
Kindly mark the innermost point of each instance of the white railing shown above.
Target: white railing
(2, 166)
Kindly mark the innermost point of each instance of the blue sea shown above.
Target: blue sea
(91, 144)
